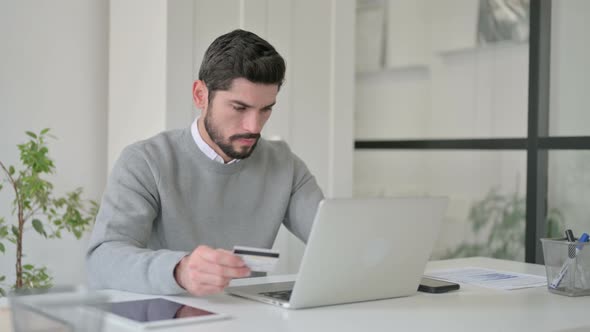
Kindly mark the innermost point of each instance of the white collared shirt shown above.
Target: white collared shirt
(207, 150)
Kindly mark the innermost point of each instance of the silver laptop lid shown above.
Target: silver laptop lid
(367, 249)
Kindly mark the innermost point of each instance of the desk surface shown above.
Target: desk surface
(469, 309)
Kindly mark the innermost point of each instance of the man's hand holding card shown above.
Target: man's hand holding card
(208, 271)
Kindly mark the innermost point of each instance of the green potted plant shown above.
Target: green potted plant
(502, 218)
(35, 207)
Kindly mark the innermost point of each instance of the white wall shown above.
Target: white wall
(150, 78)
(53, 73)
(137, 73)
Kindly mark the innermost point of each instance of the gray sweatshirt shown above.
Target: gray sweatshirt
(164, 198)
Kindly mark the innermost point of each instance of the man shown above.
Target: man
(175, 204)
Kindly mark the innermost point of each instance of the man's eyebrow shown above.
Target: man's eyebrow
(241, 103)
(269, 106)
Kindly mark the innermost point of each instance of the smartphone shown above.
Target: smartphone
(430, 285)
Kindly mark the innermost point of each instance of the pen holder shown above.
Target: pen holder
(567, 265)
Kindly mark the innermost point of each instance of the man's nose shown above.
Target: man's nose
(253, 122)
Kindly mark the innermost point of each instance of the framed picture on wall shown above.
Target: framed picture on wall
(503, 20)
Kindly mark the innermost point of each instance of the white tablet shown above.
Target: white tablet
(157, 313)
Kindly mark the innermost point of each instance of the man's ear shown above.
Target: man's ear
(200, 95)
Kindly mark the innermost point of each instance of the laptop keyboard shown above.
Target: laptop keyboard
(284, 295)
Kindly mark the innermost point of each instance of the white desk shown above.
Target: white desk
(469, 309)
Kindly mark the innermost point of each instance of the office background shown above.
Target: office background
(103, 75)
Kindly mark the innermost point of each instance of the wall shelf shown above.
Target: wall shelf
(417, 68)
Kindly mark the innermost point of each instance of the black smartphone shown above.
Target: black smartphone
(430, 285)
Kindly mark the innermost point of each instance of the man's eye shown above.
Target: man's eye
(266, 110)
(239, 108)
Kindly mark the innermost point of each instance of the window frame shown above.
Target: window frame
(537, 143)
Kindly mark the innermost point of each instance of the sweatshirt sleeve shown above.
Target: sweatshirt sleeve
(305, 198)
(117, 256)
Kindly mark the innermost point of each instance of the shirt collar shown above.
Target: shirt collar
(203, 146)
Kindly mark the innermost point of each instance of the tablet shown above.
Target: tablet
(157, 313)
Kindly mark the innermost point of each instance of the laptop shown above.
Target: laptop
(359, 250)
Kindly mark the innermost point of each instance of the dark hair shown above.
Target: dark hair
(240, 54)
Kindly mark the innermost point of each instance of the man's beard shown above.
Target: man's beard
(227, 147)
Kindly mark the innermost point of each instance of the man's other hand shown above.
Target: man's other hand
(208, 271)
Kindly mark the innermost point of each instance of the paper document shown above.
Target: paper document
(490, 278)
(5, 320)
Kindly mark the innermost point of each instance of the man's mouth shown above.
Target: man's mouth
(246, 139)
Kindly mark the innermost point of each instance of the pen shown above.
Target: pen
(559, 277)
(569, 235)
(571, 250)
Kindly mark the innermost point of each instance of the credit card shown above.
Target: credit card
(258, 259)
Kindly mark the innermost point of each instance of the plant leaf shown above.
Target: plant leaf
(38, 226)
(44, 131)
(30, 133)
(2, 278)
(2, 249)
(11, 170)
(14, 230)
(28, 267)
